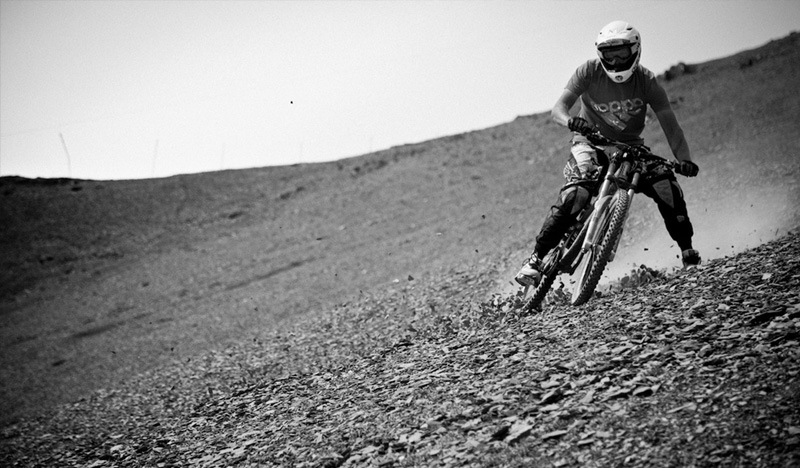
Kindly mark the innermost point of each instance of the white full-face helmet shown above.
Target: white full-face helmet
(619, 47)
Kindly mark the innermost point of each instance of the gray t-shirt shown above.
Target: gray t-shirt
(617, 109)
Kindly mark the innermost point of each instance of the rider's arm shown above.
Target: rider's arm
(674, 133)
(560, 112)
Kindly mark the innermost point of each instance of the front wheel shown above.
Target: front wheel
(594, 261)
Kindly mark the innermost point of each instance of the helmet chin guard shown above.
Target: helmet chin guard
(619, 47)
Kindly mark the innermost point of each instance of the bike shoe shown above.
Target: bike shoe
(691, 257)
(529, 275)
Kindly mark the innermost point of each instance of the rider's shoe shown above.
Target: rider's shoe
(690, 257)
(530, 273)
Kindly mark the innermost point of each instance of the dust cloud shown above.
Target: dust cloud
(723, 227)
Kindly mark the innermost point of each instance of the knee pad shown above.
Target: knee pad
(664, 191)
(574, 199)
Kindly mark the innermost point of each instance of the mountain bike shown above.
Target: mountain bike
(591, 243)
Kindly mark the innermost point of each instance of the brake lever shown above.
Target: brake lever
(597, 138)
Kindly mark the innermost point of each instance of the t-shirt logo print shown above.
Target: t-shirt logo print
(617, 113)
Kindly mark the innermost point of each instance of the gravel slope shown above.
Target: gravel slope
(693, 368)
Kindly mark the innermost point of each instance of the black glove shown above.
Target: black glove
(687, 168)
(580, 125)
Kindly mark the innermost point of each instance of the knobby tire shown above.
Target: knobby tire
(599, 255)
(553, 265)
(540, 291)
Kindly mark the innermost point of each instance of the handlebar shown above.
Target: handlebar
(640, 151)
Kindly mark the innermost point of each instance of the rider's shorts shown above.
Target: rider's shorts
(582, 165)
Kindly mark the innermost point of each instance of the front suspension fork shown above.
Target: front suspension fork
(606, 191)
(600, 214)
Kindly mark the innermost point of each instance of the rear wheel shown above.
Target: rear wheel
(534, 295)
(553, 264)
(595, 260)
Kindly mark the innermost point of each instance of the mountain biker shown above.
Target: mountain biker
(614, 92)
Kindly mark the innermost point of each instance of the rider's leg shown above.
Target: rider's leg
(668, 195)
(571, 200)
(581, 173)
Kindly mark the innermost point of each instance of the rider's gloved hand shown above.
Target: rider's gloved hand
(687, 168)
(580, 125)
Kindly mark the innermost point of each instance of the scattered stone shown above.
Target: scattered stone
(631, 376)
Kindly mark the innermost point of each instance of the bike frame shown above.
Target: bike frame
(615, 179)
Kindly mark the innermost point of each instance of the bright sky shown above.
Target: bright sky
(137, 89)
